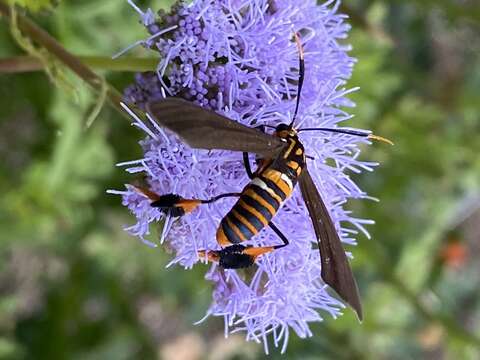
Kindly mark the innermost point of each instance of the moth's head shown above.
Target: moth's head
(285, 131)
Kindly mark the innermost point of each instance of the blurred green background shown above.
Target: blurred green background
(73, 285)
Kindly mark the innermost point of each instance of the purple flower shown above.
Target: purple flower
(238, 58)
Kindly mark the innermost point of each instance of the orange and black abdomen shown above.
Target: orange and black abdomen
(257, 205)
(261, 198)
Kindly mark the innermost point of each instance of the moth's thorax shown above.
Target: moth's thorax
(291, 159)
(293, 154)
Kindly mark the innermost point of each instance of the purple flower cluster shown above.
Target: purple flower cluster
(237, 57)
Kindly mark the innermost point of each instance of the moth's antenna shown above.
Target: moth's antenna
(361, 133)
(301, 75)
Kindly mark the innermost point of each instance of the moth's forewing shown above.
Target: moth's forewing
(336, 271)
(205, 129)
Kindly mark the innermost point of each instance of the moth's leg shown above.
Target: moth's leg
(180, 206)
(280, 235)
(175, 205)
(246, 160)
(246, 163)
(239, 256)
(254, 252)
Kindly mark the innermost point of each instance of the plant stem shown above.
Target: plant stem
(19, 64)
(44, 39)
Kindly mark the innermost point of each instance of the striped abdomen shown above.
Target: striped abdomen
(259, 202)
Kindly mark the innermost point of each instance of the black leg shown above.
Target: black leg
(246, 163)
(221, 196)
(176, 206)
(280, 235)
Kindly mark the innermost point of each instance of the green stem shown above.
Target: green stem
(20, 64)
(44, 39)
(131, 64)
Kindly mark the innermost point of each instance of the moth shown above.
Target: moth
(281, 166)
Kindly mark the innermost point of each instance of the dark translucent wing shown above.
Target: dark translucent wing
(204, 129)
(336, 270)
